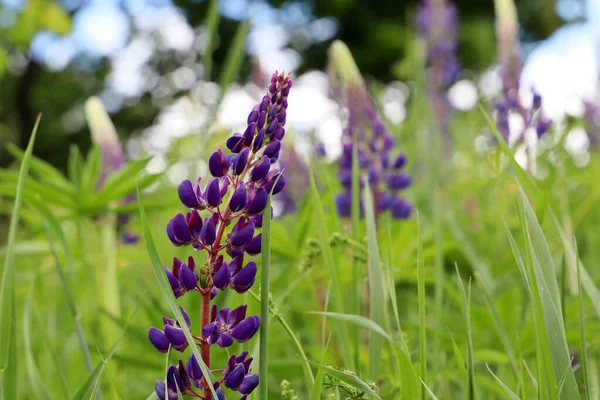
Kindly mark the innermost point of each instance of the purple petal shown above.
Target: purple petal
(235, 377)
(238, 200)
(159, 339)
(175, 335)
(181, 229)
(249, 383)
(259, 202)
(243, 280)
(188, 278)
(236, 315)
(187, 194)
(254, 246)
(222, 277)
(260, 170)
(193, 368)
(212, 332)
(246, 329)
(212, 193)
(243, 236)
(225, 340)
(209, 232)
(259, 140)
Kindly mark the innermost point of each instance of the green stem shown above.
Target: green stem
(72, 308)
(263, 366)
(292, 335)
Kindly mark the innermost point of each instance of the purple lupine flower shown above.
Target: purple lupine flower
(437, 22)
(509, 103)
(365, 130)
(104, 135)
(297, 175)
(591, 122)
(236, 197)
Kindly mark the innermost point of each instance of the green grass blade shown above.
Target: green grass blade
(356, 266)
(67, 293)
(421, 301)
(510, 393)
(33, 374)
(294, 338)
(548, 305)
(8, 274)
(317, 389)
(466, 300)
(376, 285)
(235, 57)
(584, 357)
(431, 394)
(92, 382)
(212, 25)
(347, 378)
(263, 361)
(9, 378)
(168, 295)
(331, 268)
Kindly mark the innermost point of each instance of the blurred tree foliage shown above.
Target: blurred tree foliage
(380, 34)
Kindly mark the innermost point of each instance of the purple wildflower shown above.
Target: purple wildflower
(104, 135)
(364, 129)
(437, 22)
(507, 30)
(235, 197)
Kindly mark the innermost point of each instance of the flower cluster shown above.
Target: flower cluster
(507, 30)
(383, 172)
(437, 22)
(234, 201)
(104, 135)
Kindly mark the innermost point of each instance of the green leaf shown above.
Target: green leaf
(168, 295)
(348, 379)
(75, 166)
(376, 284)
(43, 169)
(8, 274)
(91, 172)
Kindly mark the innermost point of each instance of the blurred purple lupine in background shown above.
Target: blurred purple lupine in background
(509, 50)
(247, 176)
(364, 129)
(104, 135)
(437, 22)
(296, 174)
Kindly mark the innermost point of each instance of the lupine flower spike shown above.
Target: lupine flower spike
(224, 220)
(378, 166)
(437, 23)
(507, 30)
(104, 135)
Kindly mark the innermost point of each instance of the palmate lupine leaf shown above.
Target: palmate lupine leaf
(168, 295)
(7, 285)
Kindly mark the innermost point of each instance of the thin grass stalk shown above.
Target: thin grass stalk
(263, 362)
